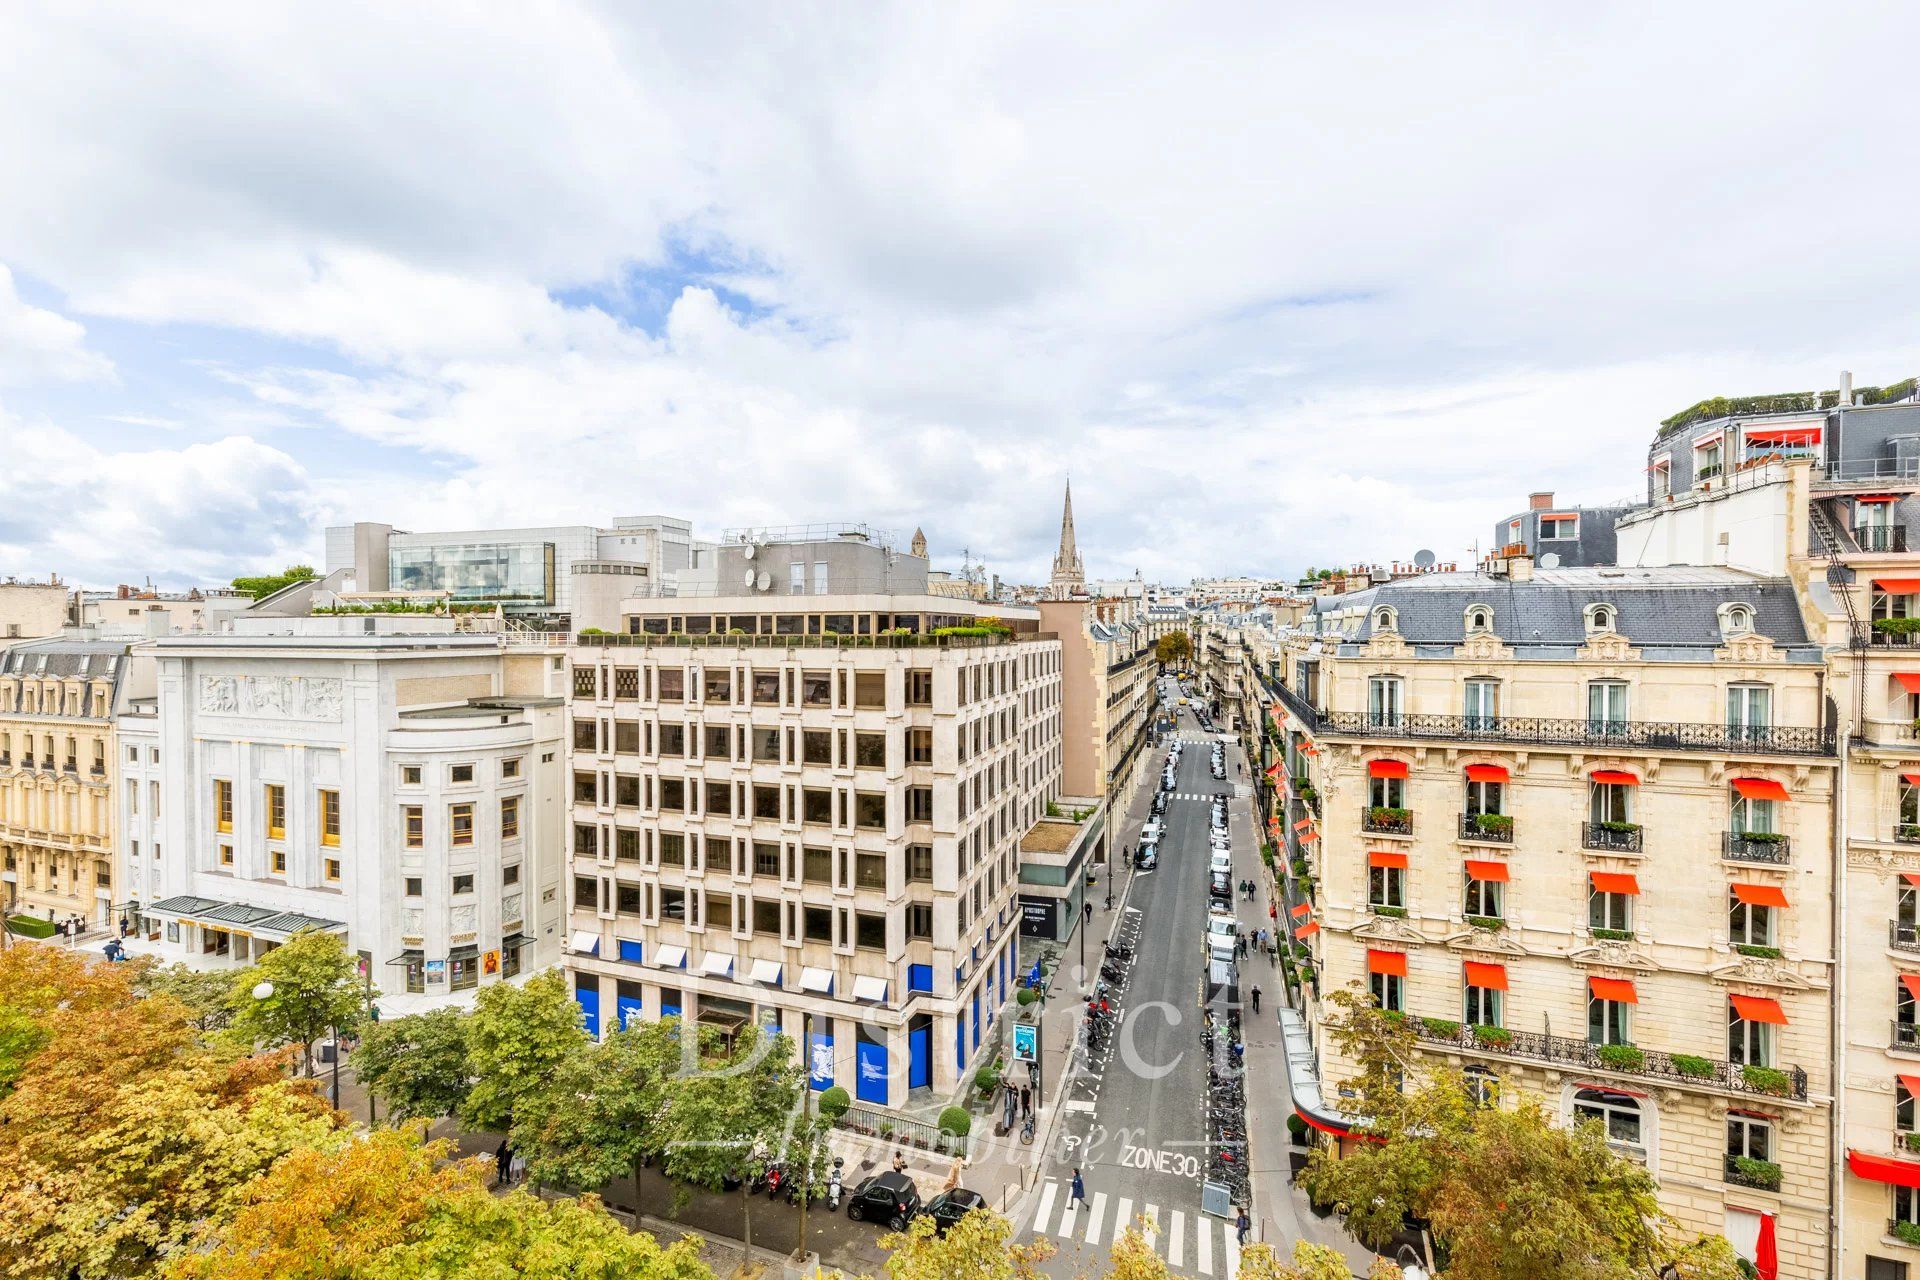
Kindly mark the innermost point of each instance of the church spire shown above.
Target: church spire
(1069, 579)
(919, 545)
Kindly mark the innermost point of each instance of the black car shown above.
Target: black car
(885, 1197)
(949, 1207)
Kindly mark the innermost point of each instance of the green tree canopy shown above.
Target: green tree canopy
(417, 1065)
(727, 1117)
(601, 1111)
(316, 985)
(263, 585)
(517, 1037)
(1175, 646)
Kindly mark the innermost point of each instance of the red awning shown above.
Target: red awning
(1619, 989)
(1898, 586)
(1303, 824)
(1487, 870)
(1615, 882)
(1761, 895)
(1911, 877)
(1488, 977)
(1487, 773)
(1706, 440)
(1782, 435)
(1307, 930)
(1386, 768)
(1390, 962)
(1615, 777)
(1759, 789)
(1382, 858)
(1908, 680)
(1898, 1173)
(1914, 778)
(1304, 909)
(1911, 1084)
(1759, 1009)
(1275, 767)
(1911, 982)
(1876, 497)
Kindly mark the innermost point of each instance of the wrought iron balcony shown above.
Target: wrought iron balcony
(1390, 822)
(1906, 832)
(1619, 837)
(1891, 537)
(1480, 826)
(1905, 1035)
(1744, 1171)
(1647, 735)
(1681, 1069)
(1751, 846)
(1903, 937)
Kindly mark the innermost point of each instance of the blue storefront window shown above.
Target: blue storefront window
(820, 1062)
(586, 994)
(870, 1066)
(976, 1019)
(626, 1007)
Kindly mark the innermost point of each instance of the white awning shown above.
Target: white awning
(874, 989)
(670, 958)
(717, 964)
(820, 980)
(584, 942)
(766, 972)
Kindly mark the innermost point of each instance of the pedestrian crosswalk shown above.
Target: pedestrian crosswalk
(1186, 1240)
(1194, 795)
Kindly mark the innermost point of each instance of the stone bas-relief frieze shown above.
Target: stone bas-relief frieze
(272, 697)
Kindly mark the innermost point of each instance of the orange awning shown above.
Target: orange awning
(1911, 877)
(1307, 836)
(1911, 982)
(1619, 989)
(1759, 1009)
(1911, 1084)
(1908, 680)
(1488, 977)
(1898, 1173)
(1875, 497)
(1914, 778)
(1307, 930)
(1386, 768)
(1303, 824)
(1898, 586)
(1487, 773)
(1304, 909)
(1615, 777)
(1759, 789)
(1389, 962)
(1615, 882)
(1761, 895)
(1382, 858)
(1487, 870)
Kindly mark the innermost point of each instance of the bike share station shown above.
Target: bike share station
(1226, 1184)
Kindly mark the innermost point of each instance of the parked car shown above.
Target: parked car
(885, 1197)
(1150, 833)
(949, 1207)
(1146, 857)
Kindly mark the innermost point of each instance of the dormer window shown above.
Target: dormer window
(1600, 617)
(1479, 618)
(1384, 619)
(1736, 619)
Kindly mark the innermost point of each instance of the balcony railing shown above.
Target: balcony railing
(1906, 832)
(1388, 822)
(1743, 1171)
(1650, 735)
(1746, 846)
(1903, 937)
(1682, 1069)
(1892, 537)
(1893, 639)
(1471, 828)
(1619, 838)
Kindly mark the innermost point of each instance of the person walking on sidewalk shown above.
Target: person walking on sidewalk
(1079, 1189)
(1243, 1225)
(1256, 999)
(1026, 1101)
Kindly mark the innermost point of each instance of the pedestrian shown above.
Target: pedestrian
(1026, 1101)
(1256, 999)
(1244, 1225)
(1089, 910)
(899, 1162)
(517, 1169)
(1079, 1189)
(502, 1163)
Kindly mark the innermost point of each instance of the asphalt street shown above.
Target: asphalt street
(1134, 1124)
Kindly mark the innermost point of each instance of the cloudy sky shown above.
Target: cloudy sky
(1279, 285)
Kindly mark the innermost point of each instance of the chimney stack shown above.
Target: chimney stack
(1845, 398)
(1540, 501)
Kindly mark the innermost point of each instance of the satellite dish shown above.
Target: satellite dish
(749, 551)
(1551, 560)
(749, 581)
(1423, 559)
(765, 580)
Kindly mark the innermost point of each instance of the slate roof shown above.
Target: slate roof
(63, 657)
(1675, 608)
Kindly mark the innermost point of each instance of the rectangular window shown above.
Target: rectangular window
(1484, 899)
(919, 921)
(586, 840)
(330, 869)
(277, 859)
(330, 819)
(719, 742)
(869, 750)
(766, 918)
(416, 824)
(226, 855)
(817, 866)
(586, 786)
(920, 864)
(716, 685)
(766, 801)
(673, 795)
(820, 577)
(586, 892)
(626, 791)
(719, 908)
(870, 689)
(670, 685)
(409, 775)
(919, 804)
(1609, 802)
(673, 849)
(919, 746)
(766, 859)
(460, 822)
(817, 806)
(870, 811)
(276, 811)
(1749, 1136)
(222, 805)
(1749, 924)
(870, 870)
(766, 688)
(673, 741)
(510, 768)
(1482, 704)
(460, 774)
(1748, 1043)
(1749, 710)
(586, 681)
(1610, 911)
(869, 931)
(1552, 527)
(626, 737)
(626, 845)
(1485, 797)
(1388, 991)
(510, 874)
(1387, 887)
(719, 799)
(817, 924)
(509, 817)
(1754, 817)
(797, 578)
(1483, 1007)
(816, 746)
(415, 886)
(919, 688)
(1386, 700)
(766, 745)
(1387, 793)
(816, 689)
(1607, 706)
(1609, 1021)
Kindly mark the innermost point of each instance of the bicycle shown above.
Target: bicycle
(1026, 1130)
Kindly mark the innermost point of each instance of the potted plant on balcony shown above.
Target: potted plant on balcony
(1493, 824)
(1441, 1028)
(1907, 1231)
(1692, 1067)
(1764, 1174)
(1492, 1037)
(1621, 1057)
(1911, 1140)
(1381, 816)
(1487, 924)
(1769, 1080)
(1390, 913)
(1618, 828)
(1611, 935)
(1757, 951)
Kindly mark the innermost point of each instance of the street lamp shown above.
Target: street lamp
(263, 990)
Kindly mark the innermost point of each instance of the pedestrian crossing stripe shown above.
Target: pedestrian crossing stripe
(1173, 1235)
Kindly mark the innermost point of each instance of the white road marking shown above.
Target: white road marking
(1047, 1193)
(1093, 1216)
(1231, 1236)
(1079, 1104)
(1122, 1217)
(1068, 1217)
(1176, 1253)
(1203, 1240)
(1153, 1227)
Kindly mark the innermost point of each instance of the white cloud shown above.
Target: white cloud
(1290, 286)
(37, 345)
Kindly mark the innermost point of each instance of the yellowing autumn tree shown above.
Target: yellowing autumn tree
(980, 1247)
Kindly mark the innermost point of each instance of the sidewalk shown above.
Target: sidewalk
(1281, 1212)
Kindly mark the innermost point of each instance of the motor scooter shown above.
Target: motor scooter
(833, 1186)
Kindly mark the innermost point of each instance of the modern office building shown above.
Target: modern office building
(798, 802)
(385, 778)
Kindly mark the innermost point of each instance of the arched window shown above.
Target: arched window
(1618, 1114)
(1736, 619)
(1600, 617)
(1479, 618)
(1384, 619)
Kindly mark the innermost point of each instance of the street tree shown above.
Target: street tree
(205, 992)
(1506, 1193)
(42, 986)
(731, 1111)
(1310, 1261)
(388, 1208)
(417, 1065)
(1173, 648)
(316, 986)
(980, 1246)
(600, 1114)
(1133, 1258)
(516, 1037)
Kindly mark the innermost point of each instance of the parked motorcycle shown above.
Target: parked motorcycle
(833, 1186)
